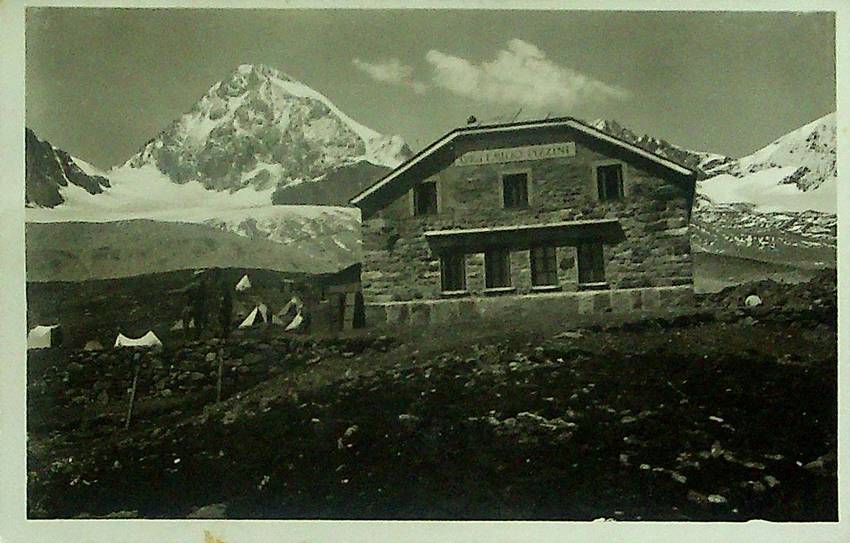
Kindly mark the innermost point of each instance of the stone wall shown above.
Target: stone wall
(570, 308)
(398, 264)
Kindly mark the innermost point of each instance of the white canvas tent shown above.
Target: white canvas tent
(243, 284)
(43, 337)
(258, 315)
(296, 322)
(93, 345)
(178, 324)
(147, 340)
(285, 316)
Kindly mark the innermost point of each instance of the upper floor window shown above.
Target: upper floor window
(609, 182)
(425, 198)
(497, 269)
(515, 190)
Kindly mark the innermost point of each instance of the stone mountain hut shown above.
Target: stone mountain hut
(549, 212)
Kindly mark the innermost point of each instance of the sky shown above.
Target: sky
(100, 82)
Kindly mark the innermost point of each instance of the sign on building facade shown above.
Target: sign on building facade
(517, 154)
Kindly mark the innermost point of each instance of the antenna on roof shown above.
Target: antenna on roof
(471, 119)
(547, 115)
(516, 115)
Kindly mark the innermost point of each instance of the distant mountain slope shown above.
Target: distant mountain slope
(260, 128)
(804, 238)
(78, 251)
(49, 169)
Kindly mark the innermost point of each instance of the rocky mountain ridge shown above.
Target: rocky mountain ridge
(261, 128)
(49, 171)
(706, 164)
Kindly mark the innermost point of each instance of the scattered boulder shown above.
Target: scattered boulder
(211, 511)
(716, 498)
(824, 466)
(408, 421)
(93, 345)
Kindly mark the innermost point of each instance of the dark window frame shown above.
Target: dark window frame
(420, 206)
(590, 262)
(609, 188)
(497, 269)
(453, 272)
(515, 190)
(544, 266)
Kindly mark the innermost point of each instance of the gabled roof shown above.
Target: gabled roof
(366, 200)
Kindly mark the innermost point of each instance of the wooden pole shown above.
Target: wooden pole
(133, 394)
(220, 372)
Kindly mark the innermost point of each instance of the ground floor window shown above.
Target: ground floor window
(591, 264)
(453, 272)
(544, 267)
(497, 269)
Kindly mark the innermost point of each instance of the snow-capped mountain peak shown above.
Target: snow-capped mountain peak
(796, 172)
(260, 127)
(810, 149)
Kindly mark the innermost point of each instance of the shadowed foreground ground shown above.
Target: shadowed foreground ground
(727, 414)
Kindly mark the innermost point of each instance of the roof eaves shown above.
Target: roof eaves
(570, 121)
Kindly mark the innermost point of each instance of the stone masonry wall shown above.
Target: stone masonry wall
(568, 307)
(398, 264)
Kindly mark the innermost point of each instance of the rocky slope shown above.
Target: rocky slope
(806, 238)
(777, 204)
(504, 422)
(79, 251)
(49, 170)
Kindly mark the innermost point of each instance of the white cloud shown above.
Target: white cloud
(391, 71)
(519, 75)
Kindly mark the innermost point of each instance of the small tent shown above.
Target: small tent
(44, 337)
(147, 340)
(292, 314)
(93, 345)
(296, 322)
(258, 315)
(243, 284)
(178, 324)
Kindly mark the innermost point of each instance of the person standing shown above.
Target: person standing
(186, 316)
(199, 305)
(225, 315)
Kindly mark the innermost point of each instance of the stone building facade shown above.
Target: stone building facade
(525, 208)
